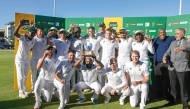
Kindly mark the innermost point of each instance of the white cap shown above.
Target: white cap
(62, 29)
(53, 28)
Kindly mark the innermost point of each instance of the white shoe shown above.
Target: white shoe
(27, 93)
(121, 101)
(92, 91)
(72, 90)
(61, 107)
(107, 99)
(22, 95)
(37, 105)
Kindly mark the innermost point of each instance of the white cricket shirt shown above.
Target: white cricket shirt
(62, 48)
(143, 48)
(38, 49)
(100, 36)
(48, 69)
(125, 48)
(137, 73)
(24, 47)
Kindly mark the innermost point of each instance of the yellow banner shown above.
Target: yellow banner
(114, 22)
(29, 17)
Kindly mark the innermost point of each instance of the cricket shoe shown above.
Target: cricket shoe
(121, 101)
(107, 99)
(37, 105)
(81, 100)
(22, 95)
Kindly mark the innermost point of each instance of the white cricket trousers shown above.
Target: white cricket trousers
(135, 95)
(108, 88)
(33, 63)
(82, 85)
(64, 92)
(76, 75)
(122, 61)
(103, 78)
(47, 91)
(22, 73)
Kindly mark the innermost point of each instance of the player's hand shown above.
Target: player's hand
(125, 87)
(32, 23)
(49, 34)
(94, 57)
(113, 91)
(21, 23)
(46, 53)
(135, 83)
(62, 81)
(164, 60)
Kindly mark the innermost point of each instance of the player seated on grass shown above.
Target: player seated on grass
(62, 79)
(26, 42)
(89, 73)
(116, 81)
(44, 84)
(137, 73)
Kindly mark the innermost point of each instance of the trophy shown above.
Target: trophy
(88, 49)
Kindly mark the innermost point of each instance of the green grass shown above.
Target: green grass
(9, 97)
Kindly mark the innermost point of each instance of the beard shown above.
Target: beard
(88, 66)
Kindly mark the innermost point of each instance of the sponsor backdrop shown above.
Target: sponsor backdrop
(174, 22)
(150, 25)
(22, 30)
(83, 23)
(48, 22)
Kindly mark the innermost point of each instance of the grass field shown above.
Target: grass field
(9, 97)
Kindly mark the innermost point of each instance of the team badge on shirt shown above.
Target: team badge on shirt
(130, 68)
(139, 69)
(134, 44)
(65, 66)
(59, 41)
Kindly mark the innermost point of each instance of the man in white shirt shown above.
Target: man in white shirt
(89, 73)
(101, 35)
(137, 73)
(108, 47)
(62, 45)
(143, 46)
(47, 66)
(26, 42)
(124, 48)
(116, 81)
(37, 53)
(63, 75)
(77, 43)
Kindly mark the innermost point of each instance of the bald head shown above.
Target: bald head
(162, 34)
(88, 60)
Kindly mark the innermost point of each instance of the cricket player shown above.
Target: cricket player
(89, 73)
(116, 81)
(22, 61)
(47, 66)
(37, 53)
(77, 44)
(137, 73)
(124, 48)
(62, 45)
(108, 47)
(143, 46)
(63, 75)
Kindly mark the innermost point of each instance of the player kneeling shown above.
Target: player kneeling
(63, 75)
(44, 84)
(116, 81)
(89, 73)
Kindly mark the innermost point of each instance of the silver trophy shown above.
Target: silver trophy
(88, 49)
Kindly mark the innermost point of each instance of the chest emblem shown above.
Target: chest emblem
(139, 69)
(130, 68)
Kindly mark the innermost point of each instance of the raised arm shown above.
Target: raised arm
(58, 70)
(77, 63)
(17, 28)
(100, 65)
(40, 62)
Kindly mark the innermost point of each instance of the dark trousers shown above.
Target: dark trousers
(182, 77)
(162, 81)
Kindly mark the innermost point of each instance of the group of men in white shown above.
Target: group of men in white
(58, 59)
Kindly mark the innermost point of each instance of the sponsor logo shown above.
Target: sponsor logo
(56, 23)
(139, 24)
(132, 24)
(151, 31)
(87, 24)
(43, 22)
(153, 24)
(169, 24)
(175, 23)
(169, 31)
(127, 24)
(159, 24)
(81, 24)
(183, 22)
(146, 31)
(50, 23)
(38, 22)
(147, 24)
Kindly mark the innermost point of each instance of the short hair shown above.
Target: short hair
(139, 34)
(113, 60)
(40, 28)
(91, 27)
(72, 51)
(162, 30)
(181, 29)
(109, 29)
(135, 52)
(78, 29)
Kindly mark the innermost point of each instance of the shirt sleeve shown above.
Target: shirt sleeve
(59, 67)
(146, 71)
(103, 71)
(123, 79)
(53, 41)
(21, 37)
(150, 48)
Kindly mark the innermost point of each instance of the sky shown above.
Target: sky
(91, 8)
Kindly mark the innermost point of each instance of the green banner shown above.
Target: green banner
(48, 22)
(150, 25)
(84, 23)
(174, 22)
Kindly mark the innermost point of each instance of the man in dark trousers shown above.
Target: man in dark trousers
(161, 45)
(179, 66)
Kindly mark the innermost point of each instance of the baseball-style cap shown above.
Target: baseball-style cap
(139, 32)
(32, 29)
(53, 28)
(62, 30)
(47, 47)
(123, 30)
(102, 24)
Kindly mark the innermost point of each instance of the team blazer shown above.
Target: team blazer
(179, 60)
